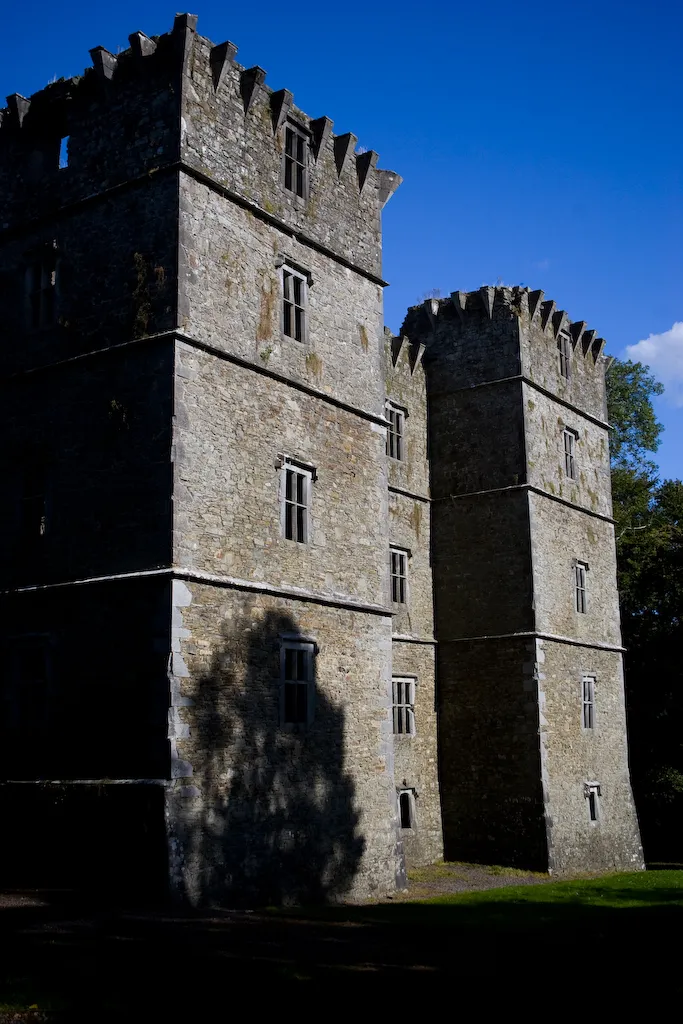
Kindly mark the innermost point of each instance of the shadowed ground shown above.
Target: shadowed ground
(613, 940)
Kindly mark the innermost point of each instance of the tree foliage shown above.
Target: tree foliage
(649, 532)
(636, 431)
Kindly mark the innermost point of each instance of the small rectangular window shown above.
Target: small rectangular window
(569, 453)
(41, 286)
(580, 586)
(588, 702)
(64, 152)
(297, 682)
(396, 432)
(564, 350)
(591, 792)
(405, 808)
(296, 161)
(404, 707)
(296, 502)
(399, 576)
(294, 304)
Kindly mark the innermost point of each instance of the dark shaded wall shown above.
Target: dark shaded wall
(95, 435)
(85, 414)
(99, 712)
(102, 713)
(491, 792)
(120, 128)
(273, 812)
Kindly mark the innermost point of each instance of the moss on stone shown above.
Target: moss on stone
(265, 329)
(314, 364)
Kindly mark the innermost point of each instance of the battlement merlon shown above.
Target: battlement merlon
(402, 353)
(500, 332)
(217, 93)
(508, 303)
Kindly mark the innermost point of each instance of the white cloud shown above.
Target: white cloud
(663, 353)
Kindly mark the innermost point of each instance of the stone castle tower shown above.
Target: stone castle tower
(230, 488)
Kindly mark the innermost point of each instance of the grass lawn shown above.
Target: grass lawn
(544, 904)
(622, 929)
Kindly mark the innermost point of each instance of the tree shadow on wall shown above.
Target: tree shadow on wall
(275, 820)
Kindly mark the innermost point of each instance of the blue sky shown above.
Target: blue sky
(539, 143)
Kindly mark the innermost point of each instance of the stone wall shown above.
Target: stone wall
(470, 344)
(162, 458)
(232, 427)
(97, 709)
(122, 123)
(416, 756)
(514, 761)
(491, 787)
(416, 761)
(230, 134)
(261, 808)
(585, 387)
(231, 298)
(589, 540)
(545, 421)
(115, 278)
(574, 756)
(479, 434)
(272, 812)
(482, 576)
(95, 435)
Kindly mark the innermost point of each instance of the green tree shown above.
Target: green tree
(634, 437)
(636, 431)
(649, 533)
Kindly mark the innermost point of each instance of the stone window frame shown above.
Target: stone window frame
(570, 438)
(41, 288)
(564, 352)
(301, 713)
(290, 521)
(405, 805)
(294, 307)
(403, 705)
(296, 159)
(581, 586)
(592, 792)
(398, 574)
(588, 680)
(396, 415)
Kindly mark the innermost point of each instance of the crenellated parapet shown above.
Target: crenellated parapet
(498, 333)
(515, 304)
(405, 355)
(235, 133)
(179, 98)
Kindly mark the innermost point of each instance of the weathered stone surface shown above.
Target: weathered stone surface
(508, 528)
(573, 756)
(281, 814)
(416, 756)
(154, 410)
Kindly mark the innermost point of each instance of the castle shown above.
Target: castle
(287, 602)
